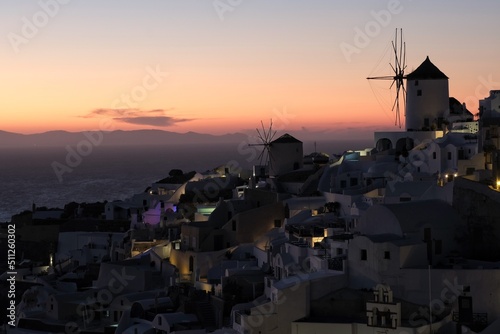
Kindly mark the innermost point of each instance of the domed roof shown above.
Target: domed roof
(408, 217)
(381, 168)
(426, 70)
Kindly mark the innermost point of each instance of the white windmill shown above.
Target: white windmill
(399, 66)
(265, 138)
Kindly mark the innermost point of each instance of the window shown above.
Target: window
(426, 122)
(339, 251)
(387, 255)
(419, 92)
(364, 255)
(353, 181)
(234, 225)
(343, 184)
(191, 264)
(469, 170)
(449, 155)
(416, 82)
(434, 155)
(277, 223)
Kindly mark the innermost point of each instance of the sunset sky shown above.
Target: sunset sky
(220, 66)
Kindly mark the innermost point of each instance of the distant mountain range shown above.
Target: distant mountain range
(118, 137)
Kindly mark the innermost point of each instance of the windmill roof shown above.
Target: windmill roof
(426, 70)
(286, 138)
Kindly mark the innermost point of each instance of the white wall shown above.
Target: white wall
(284, 156)
(75, 243)
(368, 273)
(287, 305)
(446, 286)
(433, 103)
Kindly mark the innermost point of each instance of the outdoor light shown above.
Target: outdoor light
(455, 175)
(498, 184)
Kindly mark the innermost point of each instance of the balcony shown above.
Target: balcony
(480, 319)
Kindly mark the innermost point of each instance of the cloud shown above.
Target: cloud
(151, 120)
(154, 117)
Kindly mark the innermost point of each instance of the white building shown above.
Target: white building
(365, 312)
(285, 155)
(490, 106)
(427, 97)
(178, 322)
(84, 247)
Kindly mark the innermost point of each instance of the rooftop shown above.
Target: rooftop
(286, 138)
(426, 70)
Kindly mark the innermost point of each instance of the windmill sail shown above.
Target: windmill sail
(265, 137)
(399, 66)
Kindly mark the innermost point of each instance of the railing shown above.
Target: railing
(477, 318)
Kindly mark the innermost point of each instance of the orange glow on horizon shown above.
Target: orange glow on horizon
(196, 72)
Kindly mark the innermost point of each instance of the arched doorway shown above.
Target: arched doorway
(383, 144)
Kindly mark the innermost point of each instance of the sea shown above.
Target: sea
(51, 177)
